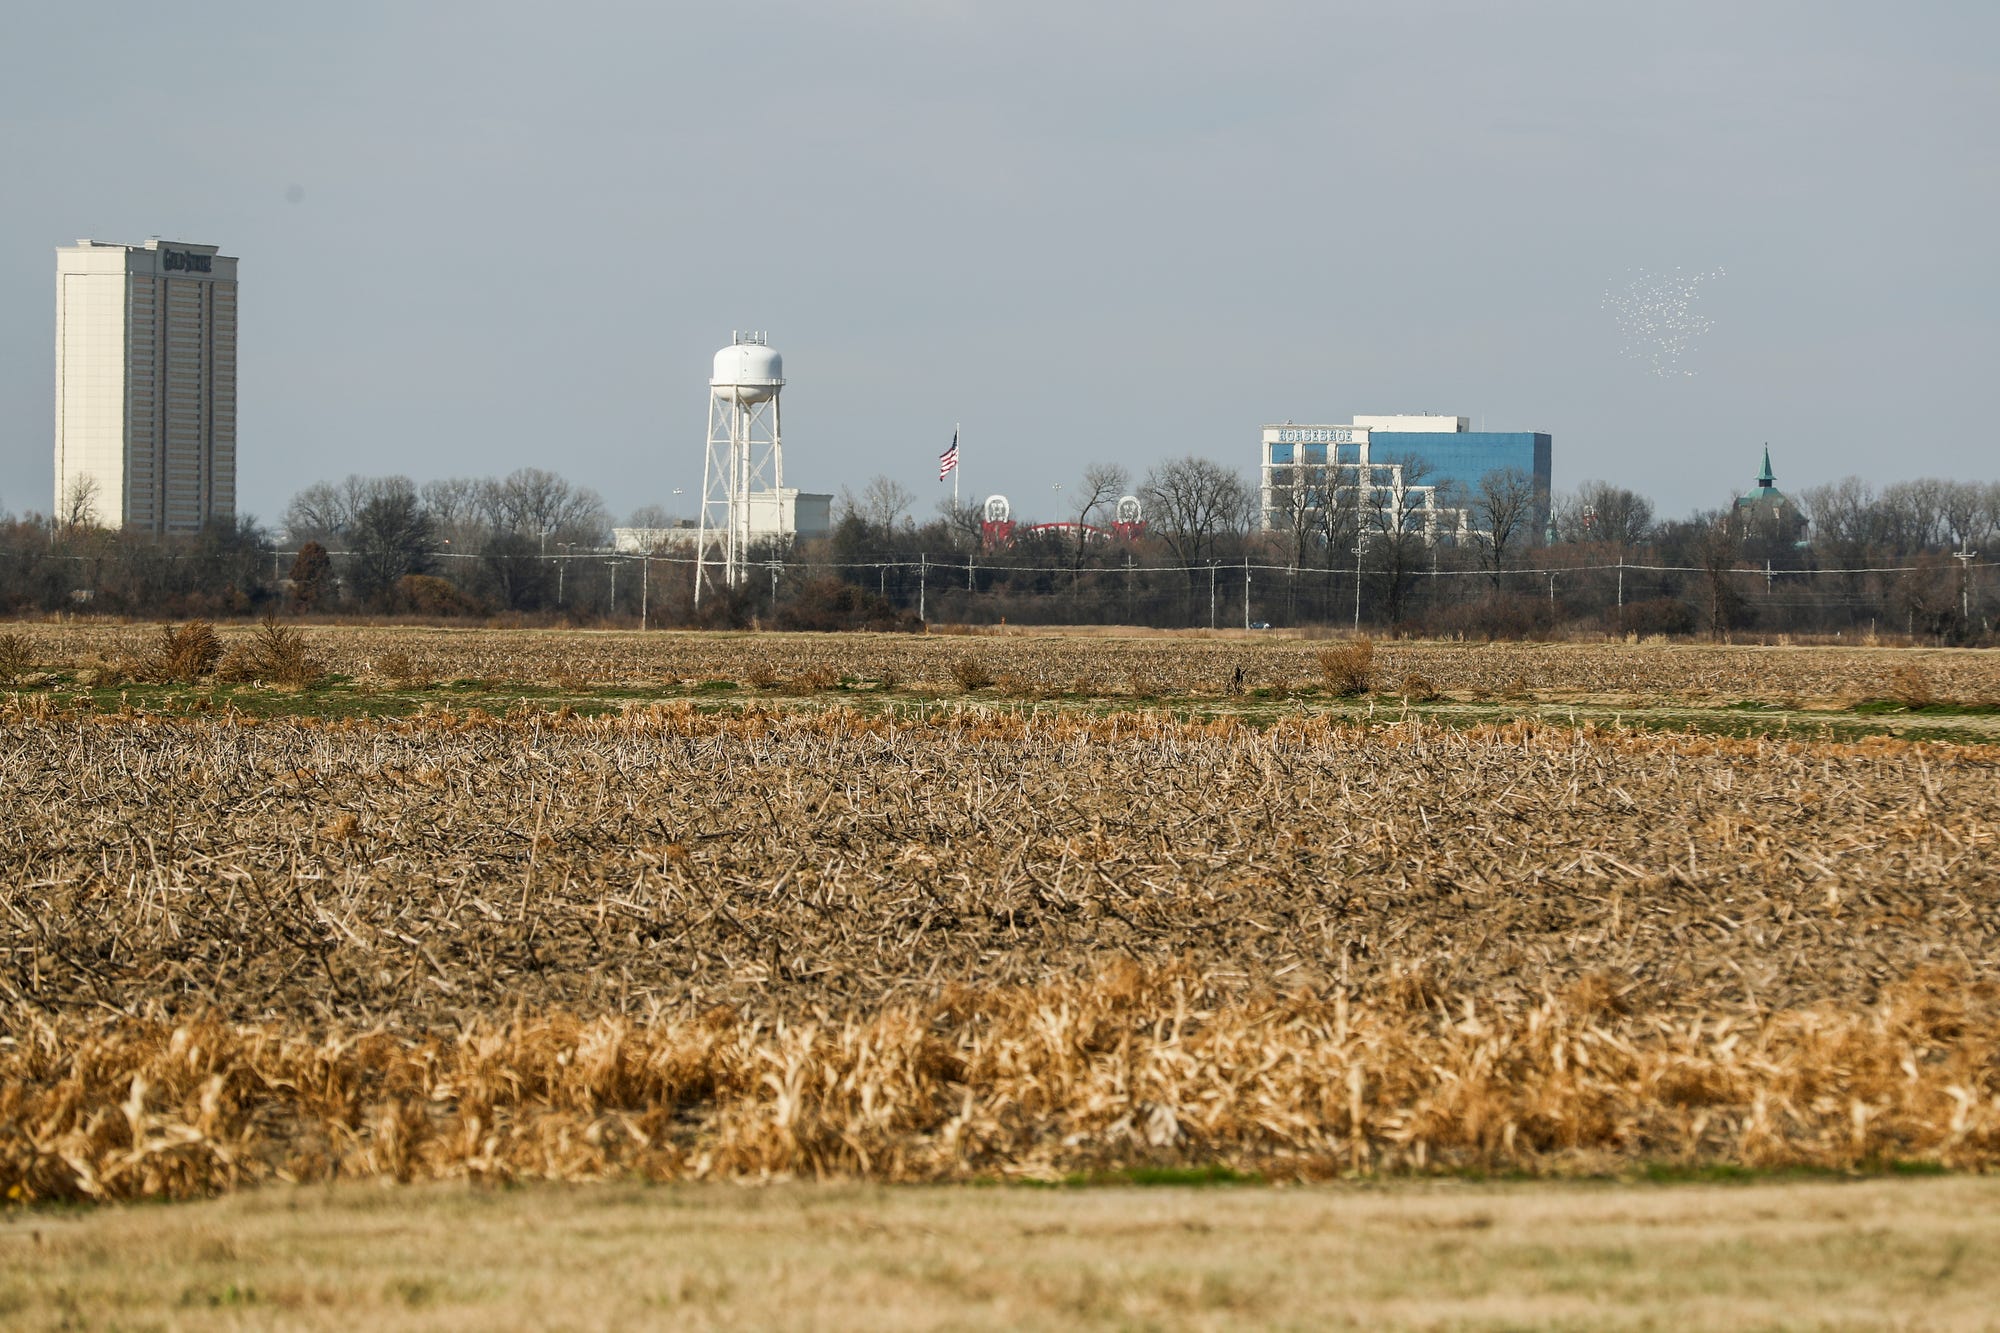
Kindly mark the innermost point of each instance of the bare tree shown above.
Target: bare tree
(325, 511)
(458, 517)
(1102, 484)
(1601, 512)
(1301, 501)
(962, 521)
(649, 516)
(1910, 516)
(79, 502)
(1718, 543)
(1191, 505)
(1963, 507)
(318, 513)
(884, 504)
(1505, 508)
(390, 537)
(1844, 521)
(537, 504)
(1393, 532)
(1317, 519)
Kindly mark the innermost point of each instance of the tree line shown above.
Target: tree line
(1844, 558)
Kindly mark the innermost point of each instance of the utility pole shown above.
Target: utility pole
(1246, 592)
(645, 586)
(1211, 594)
(1964, 555)
(614, 585)
(923, 580)
(1360, 545)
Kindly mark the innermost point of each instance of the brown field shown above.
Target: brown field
(1148, 665)
(797, 936)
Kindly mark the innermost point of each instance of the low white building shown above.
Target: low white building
(786, 515)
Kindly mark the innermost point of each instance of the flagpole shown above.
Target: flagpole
(954, 471)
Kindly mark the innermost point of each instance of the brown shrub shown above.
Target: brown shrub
(395, 665)
(275, 654)
(1418, 689)
(1349, 667)
(829, 603)
(970, 673)
(183, 654)
(1910, 685)
(816, 678)
(428, 595)
(16, 658)
(1657, 615)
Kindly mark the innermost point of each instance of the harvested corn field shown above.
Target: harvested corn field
(1090, 665)
(958, 942)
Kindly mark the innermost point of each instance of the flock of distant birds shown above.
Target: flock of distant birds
(1657, 320)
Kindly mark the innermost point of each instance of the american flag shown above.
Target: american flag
(948, 460)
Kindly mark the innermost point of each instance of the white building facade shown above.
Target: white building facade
(783, 516)
(145, 385)
(1312, 475)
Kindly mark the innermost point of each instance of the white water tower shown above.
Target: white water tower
(746, 458)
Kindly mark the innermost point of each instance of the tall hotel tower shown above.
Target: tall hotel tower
(145, 385)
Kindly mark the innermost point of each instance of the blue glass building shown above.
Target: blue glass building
(1455, 462)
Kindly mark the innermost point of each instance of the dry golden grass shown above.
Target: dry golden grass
(1415, 1255)
(1875, 1254)
(1131, 1068)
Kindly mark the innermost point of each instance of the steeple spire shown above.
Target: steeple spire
(1765, 479)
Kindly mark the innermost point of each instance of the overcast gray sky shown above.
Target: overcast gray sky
(481, 236)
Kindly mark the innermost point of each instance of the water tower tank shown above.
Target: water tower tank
(753, 370)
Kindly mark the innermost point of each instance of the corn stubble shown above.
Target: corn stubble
(972, 944)
(1061, 665)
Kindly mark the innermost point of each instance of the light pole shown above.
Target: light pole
(542, 553)
(1360, 545)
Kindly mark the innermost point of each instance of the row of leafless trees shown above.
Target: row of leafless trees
(1846, 558)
